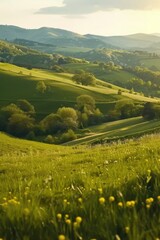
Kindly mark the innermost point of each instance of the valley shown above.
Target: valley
(79, 135)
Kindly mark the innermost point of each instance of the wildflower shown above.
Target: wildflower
(102, 200)
(120, 204)
(111, 199)
(148, 206)
(65, 201)
(158, 198)
(75, 224)
(80, 200)
(78, 220)
(59, 216)
(26, 211)
(66, 216)
(126, 229)
(5, 199)
(61, 237)
(68, 221)
(130, 204)
(149, 171)
(149, 200)
(100, 190)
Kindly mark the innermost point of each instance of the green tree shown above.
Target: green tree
(151, 111)
(85, 79)
(20, 124)
(69, 117)
(26, 106)
(41, 87)
(126, 108)
(6, 112)
(86, 103)
(68, 136)
(52, 123)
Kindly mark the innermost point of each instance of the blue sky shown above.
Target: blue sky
(103, 17)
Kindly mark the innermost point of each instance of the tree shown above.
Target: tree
(88, 114)
(85, 79)
(26, 106)
(68, 136)
(85, 103)
(41, 87)
(6, 112)
(151, 111)
(69, 117)
(126, 108)
(52, 123)
(20, 124)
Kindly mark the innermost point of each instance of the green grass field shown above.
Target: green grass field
(70, 193)
(151, 63)
(116, 130)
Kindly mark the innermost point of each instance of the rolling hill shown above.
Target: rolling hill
(17, 83)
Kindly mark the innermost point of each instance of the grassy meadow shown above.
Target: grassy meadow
(120, 129)
(84, 192)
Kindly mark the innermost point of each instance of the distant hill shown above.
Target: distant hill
(134, 41)
(52, 36)
(58, 40)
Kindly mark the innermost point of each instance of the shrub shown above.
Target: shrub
(68, 136)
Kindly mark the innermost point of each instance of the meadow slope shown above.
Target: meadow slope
(104, 192)
(17, 83)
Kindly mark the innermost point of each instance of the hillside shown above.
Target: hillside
(27, 57)
(17, 83)
(58, 191)
(116, 130)
(58, 37)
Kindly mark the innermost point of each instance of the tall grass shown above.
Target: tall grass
(101, 192)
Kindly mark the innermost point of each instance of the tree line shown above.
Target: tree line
(19, 119)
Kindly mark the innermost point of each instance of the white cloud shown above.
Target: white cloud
(82, 7)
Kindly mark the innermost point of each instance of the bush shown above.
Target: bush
(49, 139)
(68, 136)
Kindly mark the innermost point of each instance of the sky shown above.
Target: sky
(101, 17)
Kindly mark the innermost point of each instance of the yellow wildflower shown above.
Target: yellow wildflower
(102, 200)
(100, 190)
(149, 200)
(111, 199)
(59, 216)
(61, 237)
(78, 220)
(126, 229)
(26, 211)
(68, 221)
(80, 200)
(120, 204)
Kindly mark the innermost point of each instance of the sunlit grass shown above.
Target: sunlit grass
(99, 192)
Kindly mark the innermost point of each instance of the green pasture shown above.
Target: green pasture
(82, 192)
(118, 129)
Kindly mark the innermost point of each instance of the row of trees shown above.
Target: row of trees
(20, 119)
